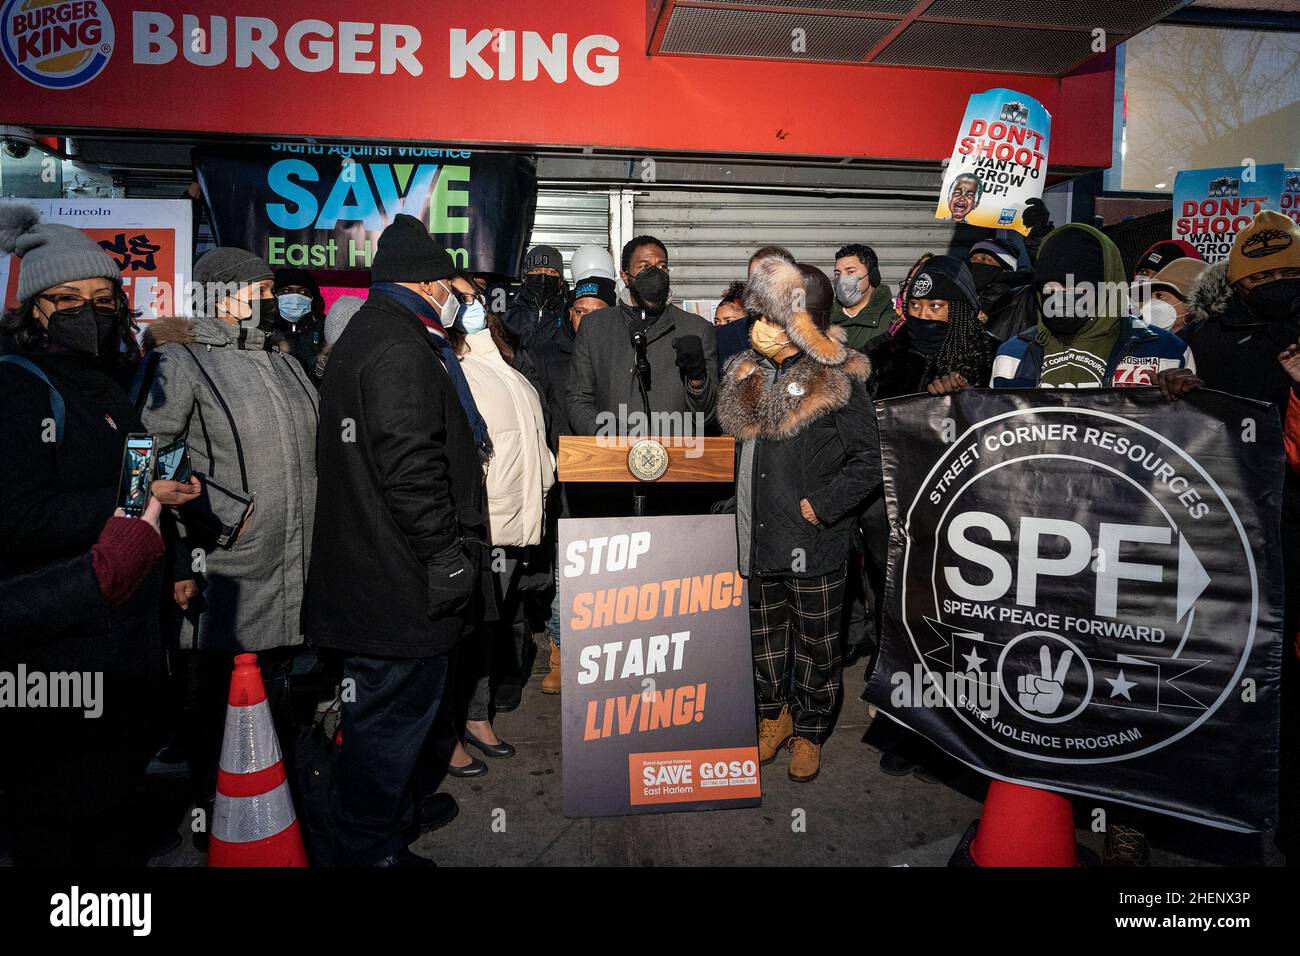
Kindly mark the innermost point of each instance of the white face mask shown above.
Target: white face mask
(1158, 314)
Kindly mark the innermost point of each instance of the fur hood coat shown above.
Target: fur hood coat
(805, 430)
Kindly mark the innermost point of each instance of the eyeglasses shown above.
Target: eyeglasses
(68, 302)
(469, 298)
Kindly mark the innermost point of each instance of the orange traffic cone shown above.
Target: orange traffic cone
(253, 823)
(1021, 826)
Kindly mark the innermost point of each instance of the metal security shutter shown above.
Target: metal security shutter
(710, 235)
(568, 219)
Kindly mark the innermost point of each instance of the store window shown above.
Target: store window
(1189, 97)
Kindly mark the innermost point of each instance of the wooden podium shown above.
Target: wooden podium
(646, 461)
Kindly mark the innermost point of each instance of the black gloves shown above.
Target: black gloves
(1036, 215)
(690, 357)
(452, 579)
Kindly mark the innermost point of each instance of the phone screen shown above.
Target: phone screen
(137, 474)
(174, 462)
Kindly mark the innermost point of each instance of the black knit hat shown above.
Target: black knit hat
(1070, 251)
(407, 253)
(944, 277)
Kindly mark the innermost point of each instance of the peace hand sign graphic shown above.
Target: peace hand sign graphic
(1043, 695)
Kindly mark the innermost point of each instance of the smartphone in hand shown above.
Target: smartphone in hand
(138, 462)
(174, 462)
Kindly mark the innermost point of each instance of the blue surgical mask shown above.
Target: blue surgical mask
(294, 306)
(473, 318)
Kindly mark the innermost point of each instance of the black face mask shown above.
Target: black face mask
(1060, 325)
(542, 288)
(650, 288)
(85, 331)
(927, 335)
(268, 314)
(984, 273)
(1276, 301)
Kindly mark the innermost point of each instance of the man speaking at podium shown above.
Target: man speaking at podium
(643, 359)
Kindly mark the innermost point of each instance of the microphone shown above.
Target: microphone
(641, 369)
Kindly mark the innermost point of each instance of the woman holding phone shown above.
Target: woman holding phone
(64, 420)
(248, 415)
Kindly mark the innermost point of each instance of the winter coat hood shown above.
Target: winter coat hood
(177, 330)
(1212, 296)
(775, 292)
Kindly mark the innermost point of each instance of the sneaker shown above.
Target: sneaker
(773, 734)
(1125, 846)
(805, 760)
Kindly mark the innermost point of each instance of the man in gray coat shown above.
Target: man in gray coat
(605, 391)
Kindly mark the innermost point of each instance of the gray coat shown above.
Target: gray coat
(600, 374)
(249, 418)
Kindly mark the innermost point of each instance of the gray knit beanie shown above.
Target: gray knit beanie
(340, 313)
(231, 264)
(52, 254)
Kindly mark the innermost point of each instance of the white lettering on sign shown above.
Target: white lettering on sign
(310, 46)
(594, 58)
(613, 553)
(1032, 564)
(358, 48)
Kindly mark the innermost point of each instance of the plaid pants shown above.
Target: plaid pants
(794, 624)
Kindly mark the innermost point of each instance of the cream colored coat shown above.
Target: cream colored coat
(522, 469)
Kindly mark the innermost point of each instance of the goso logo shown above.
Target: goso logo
(57, 44)
(1112, 607)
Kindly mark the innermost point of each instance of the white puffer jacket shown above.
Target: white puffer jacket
(522, 469)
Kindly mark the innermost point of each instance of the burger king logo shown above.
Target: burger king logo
(57, 44)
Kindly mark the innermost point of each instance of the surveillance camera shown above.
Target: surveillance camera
(16, 150)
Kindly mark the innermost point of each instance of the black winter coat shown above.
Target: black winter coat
(898, 369)
(816, 437)
(551, 359)
(532, 325)
(399, 480)
(54, 501)
(1011, 304)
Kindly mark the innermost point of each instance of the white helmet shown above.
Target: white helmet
(592, 261)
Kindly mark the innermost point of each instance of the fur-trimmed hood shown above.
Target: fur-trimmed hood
(1212, 296)
(750, 406)
(775, 292)
(177, 330)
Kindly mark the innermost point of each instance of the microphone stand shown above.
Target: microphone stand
(641, 369)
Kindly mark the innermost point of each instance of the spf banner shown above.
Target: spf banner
(1085, 593)
(323, 207)
(1212, 205)
(150, 239)
(998, 162)
(658, 679)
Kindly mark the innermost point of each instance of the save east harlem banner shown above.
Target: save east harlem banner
(323, 207)
(149, 239)
(1212, 205)
(1085, 593)
(658, 681)
(998, 162)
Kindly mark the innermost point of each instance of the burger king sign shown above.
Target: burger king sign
(57, 44)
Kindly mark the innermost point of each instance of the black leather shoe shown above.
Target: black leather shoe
(475, 768)
(436, 811)
(405, 858)
(896, 766)
(507, 698)
(852, 654)
(496, 751)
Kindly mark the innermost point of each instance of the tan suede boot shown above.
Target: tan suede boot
(772, 735)
(805, 761)
(551, 682)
